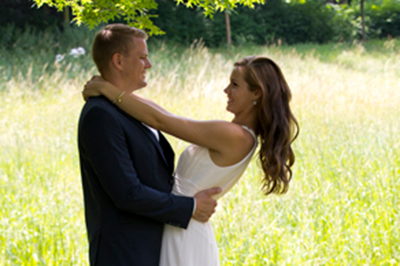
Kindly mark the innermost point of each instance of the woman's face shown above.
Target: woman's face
(240, 98)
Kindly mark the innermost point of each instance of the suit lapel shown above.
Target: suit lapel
(155, 142)
(168, 151)
(166, 157)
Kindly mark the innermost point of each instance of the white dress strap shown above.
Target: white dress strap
(251, 132)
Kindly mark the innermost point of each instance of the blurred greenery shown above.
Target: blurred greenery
(276, 21)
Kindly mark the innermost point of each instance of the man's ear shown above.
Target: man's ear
(116, 61)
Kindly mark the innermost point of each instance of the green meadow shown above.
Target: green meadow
(343, 204)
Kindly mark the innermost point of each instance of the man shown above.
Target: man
(127, 168)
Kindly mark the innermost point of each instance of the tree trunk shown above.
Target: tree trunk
(364, 38)
(228, 29)
(67, 16)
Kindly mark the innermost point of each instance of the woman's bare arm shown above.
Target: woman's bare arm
(216, 135)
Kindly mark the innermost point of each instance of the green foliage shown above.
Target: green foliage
(276, 20)
(344, 23)
(21, 13)
(308, 22)
(384, 20)
(181, 24)
(135, 13)
(93, 13)
(211, 6)
(30, 53)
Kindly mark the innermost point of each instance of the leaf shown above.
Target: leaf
(135, 13)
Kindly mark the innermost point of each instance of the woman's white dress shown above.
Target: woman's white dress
(196, 246)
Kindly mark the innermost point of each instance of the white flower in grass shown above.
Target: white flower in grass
(76, 52)
(81, 50)
(59, 57)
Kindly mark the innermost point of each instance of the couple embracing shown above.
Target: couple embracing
(138, 210)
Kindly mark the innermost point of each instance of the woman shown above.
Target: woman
(259, 97)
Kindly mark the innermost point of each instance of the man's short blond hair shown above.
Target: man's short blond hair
(113, 38)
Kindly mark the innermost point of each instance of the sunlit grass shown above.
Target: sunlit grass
(342, 207)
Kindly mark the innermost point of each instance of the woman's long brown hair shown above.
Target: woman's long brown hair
(277, 126)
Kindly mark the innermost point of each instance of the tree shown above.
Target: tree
(135, 13)
(364, 38)
(228, 28)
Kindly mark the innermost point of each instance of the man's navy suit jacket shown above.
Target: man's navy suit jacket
(127, 176)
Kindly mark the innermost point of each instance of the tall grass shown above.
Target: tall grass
(342, 207)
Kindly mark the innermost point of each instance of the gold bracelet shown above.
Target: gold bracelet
(119, 100)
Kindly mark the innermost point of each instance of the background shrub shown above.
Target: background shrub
(311, 21)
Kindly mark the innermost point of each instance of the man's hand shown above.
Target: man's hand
(205, 204)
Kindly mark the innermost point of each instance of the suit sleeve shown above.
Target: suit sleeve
(104, 144)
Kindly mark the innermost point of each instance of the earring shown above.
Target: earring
(255, 102)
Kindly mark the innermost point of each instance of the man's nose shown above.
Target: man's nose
(148, 64)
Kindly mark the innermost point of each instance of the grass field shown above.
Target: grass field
(342, 207)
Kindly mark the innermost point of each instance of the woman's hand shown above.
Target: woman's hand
(94, 87)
